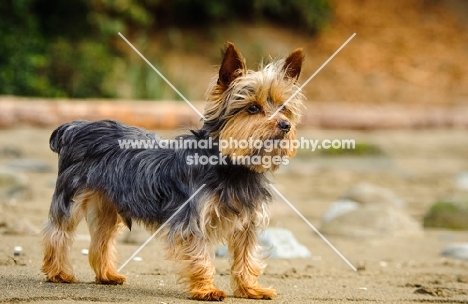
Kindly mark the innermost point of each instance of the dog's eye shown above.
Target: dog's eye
(253, 109)
(285, 110)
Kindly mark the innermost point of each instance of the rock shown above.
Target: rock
(10, 152)
(369, 211)
(3, 217)
(12, 221)
(461, 180)
(372, 221)
(450, 214)
(367, 194)
(23, 226)
(276, 244)
(456, 251)
(13, 185)
(282, 244)
(17, 250)
(29, 165)
(338, 208)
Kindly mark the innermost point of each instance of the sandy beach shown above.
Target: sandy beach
(418, 165)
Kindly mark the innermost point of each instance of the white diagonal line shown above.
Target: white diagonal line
(162, 76)
(313, 228)
(313, 75)
(159, 229)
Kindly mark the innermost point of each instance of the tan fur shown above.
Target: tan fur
(241, 127)
(192, 252)
(103, 222)
(57, 241)
(247, 265)
(269, 88)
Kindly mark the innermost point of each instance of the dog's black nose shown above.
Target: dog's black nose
(284, 126)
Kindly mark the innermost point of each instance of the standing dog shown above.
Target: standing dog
(111, 185)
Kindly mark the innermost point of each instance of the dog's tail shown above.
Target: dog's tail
(63, 135)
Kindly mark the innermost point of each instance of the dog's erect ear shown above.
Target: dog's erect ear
(232, 66)
(293, 63)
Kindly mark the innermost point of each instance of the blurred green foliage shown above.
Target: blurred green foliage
(448, 214)
(68, 48)
(360, 149)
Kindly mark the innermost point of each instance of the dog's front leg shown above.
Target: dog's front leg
(195, 268)
(247, 265)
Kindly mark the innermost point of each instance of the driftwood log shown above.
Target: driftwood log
(174, 115)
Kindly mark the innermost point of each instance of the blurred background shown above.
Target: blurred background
(404, 52)
(62, 49)
(407, 66)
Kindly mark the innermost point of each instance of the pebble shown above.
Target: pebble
(456, 251)
(361, 266)
(461, 180)
(277, 243)
(29, 165)
(282, 244)
(13, 185)
(84, 251)
(17, 250)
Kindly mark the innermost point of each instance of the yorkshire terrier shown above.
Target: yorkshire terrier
(111, 186)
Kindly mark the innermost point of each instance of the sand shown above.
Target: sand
(418, 165)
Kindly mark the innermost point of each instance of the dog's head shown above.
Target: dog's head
(245, 106)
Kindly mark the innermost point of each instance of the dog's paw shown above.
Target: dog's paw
(208, 295)
(111, 279)
(255, 292)
(62, 277)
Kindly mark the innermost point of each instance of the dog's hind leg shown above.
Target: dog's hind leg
(57, 240)
(104, 223)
